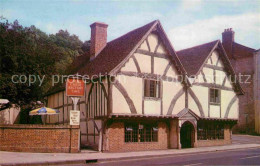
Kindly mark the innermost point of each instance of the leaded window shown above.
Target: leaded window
(139, 132)
(210, 131)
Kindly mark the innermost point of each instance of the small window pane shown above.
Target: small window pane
(141, 133)
(215, 96)
(152, 88)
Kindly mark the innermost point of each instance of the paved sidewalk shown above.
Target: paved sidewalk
(17, 158)
(245, 139)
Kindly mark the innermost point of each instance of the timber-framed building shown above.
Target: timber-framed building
(144, 95)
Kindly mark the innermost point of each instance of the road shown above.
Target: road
(234, 157)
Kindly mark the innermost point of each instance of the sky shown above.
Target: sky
(186, 22)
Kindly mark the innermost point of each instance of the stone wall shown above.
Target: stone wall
(246, 121)
(39, 138)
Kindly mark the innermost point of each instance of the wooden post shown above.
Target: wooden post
(179, 134)
(100, 138)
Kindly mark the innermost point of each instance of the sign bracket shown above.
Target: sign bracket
(75, 101)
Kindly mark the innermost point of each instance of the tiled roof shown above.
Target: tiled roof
(115, 52)
(241, 51)
(193, 58)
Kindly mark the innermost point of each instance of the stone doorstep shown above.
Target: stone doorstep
(150, 154)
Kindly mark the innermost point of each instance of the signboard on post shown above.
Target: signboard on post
(75, 87)
(74, 117)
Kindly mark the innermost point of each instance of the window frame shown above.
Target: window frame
(215, 102)
(145, 132)
(210, 131)
(156, 90)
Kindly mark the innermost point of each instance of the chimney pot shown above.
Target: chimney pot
(98, 38)
(228, 37)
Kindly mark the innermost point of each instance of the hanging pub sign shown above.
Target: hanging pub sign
(75, 87)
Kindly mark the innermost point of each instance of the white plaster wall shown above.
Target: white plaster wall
(134, 85)
(172, 72)
(180, 105)
(119, 103)
(152, 107)
(209, 74)
(161, 49)
(208, 61)
(214, 57)
(228, 83)
(202, 95)
(129, 66)
(144, 46)
(234, 110)
(144, 62)
(214, 111)
(170, 89)
(193, 106)
(134, 88)
(160, 65)
(220, 75)
(199, 78)
(153, 41)
(226, 97)
(220, 63)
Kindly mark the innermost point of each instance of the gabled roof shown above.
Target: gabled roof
(193, 58)
(118, 50)
(186, 111)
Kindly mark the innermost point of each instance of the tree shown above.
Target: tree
(26, 51)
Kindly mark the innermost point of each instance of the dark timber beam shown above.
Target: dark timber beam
(195, 98)
(167, 68)
(233, 100)
(211, 85)
(158, 55)
(214, 67)
(203, 75)
(129, 101)
(174, 100)
(224, 81)
(148, 75)
(136, 65)
(157, 46)
(148, 45)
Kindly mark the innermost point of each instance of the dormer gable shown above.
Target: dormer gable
(187, 114)
(210, 67)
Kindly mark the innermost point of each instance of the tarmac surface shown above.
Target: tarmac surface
(230, 157)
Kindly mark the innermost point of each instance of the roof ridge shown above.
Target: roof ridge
(152, 23)
(245, 46)
(214, 41)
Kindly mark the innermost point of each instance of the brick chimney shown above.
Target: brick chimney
(98, 38)
(228, 37)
